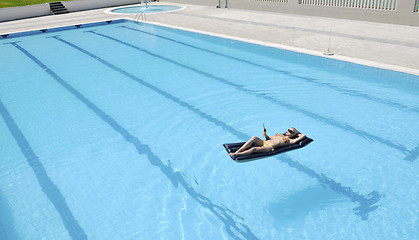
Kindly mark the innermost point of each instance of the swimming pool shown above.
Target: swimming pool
(146, 9)
(114, 130)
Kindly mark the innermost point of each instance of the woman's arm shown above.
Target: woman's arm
(264, 133)
(299, 138)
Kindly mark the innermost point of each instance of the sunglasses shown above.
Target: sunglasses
(290, 131)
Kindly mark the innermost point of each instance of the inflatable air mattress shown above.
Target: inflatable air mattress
(233, 147)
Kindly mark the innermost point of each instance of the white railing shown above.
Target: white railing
(389, 5)
(140, 16)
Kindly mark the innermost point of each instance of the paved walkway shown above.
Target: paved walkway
(386, 45)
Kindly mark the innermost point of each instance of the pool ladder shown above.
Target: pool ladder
(140, 16)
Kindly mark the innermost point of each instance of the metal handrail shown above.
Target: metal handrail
(140, 16)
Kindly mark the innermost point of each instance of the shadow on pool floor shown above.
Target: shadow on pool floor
(298, 205)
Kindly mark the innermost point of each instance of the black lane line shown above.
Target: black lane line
(233, 224)
(366, 203)
(281, 103)
(306, 79)
(47, 185)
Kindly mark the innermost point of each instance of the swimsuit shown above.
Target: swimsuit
(285, 139)
(266, 144)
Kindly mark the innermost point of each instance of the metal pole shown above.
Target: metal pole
(328, 48)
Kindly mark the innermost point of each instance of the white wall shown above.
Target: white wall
(81, 5)
(15, 13)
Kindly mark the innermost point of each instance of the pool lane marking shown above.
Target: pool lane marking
(47, 185)
(306, 79)
(414, 154)
(232, 226)
(410, 156)
(366, 203)
(315, 116)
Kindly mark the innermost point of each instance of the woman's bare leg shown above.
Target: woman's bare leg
(254, 140)
(252, 150)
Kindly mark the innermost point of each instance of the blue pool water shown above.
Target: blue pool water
(147, 9)
(115, 131)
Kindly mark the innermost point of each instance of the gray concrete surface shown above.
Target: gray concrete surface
(384, 45)
(404, 13)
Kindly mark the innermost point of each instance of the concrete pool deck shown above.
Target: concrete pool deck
(388, 46)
